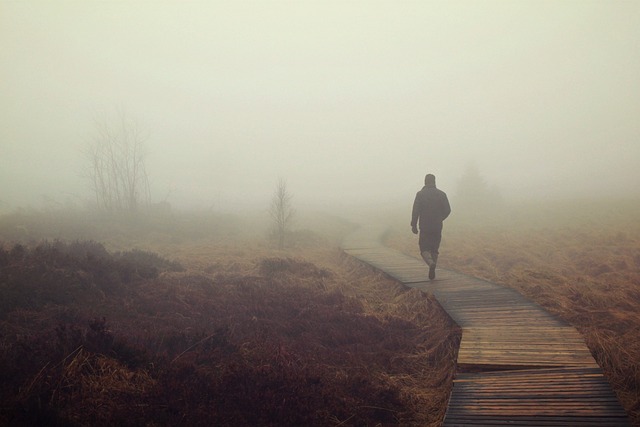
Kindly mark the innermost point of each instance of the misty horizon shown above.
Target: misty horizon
(350, 103)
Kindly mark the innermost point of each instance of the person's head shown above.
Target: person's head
(430, 180)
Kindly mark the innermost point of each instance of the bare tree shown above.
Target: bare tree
(281, 212)
(117, 172)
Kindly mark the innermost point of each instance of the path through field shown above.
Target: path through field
(517, 364)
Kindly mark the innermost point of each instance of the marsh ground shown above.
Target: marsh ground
(199, 320)
(196, 318)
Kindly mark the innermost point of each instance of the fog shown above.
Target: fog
(349, 102)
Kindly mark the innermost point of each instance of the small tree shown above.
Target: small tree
(117, 172)
(474, 193)
(281, 212)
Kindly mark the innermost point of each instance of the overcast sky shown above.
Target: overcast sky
(346, 100)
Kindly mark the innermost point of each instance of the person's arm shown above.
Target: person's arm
(446, 208)
(415, 214)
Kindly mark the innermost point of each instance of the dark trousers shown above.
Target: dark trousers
(430, 242)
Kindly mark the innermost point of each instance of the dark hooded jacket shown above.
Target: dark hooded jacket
(430, 208)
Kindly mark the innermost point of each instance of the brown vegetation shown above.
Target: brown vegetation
(581, 261)
(219, 329)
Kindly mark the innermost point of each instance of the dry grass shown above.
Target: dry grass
(245, 335)
(581, 261)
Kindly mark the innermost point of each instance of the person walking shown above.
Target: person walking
(430, 208)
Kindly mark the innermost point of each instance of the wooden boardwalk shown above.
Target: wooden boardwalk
(517, 364)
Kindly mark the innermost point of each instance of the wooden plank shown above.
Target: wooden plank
(570, 396)
(525, 354)
(536, 422)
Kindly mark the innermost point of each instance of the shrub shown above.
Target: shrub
(64, 273)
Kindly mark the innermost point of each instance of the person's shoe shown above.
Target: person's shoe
(432, 271)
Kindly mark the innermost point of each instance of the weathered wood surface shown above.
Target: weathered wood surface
(517, 364)
(572, 396)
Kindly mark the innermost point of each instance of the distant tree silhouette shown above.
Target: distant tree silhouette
(473, 191)
(281, 212)
(117, 172)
